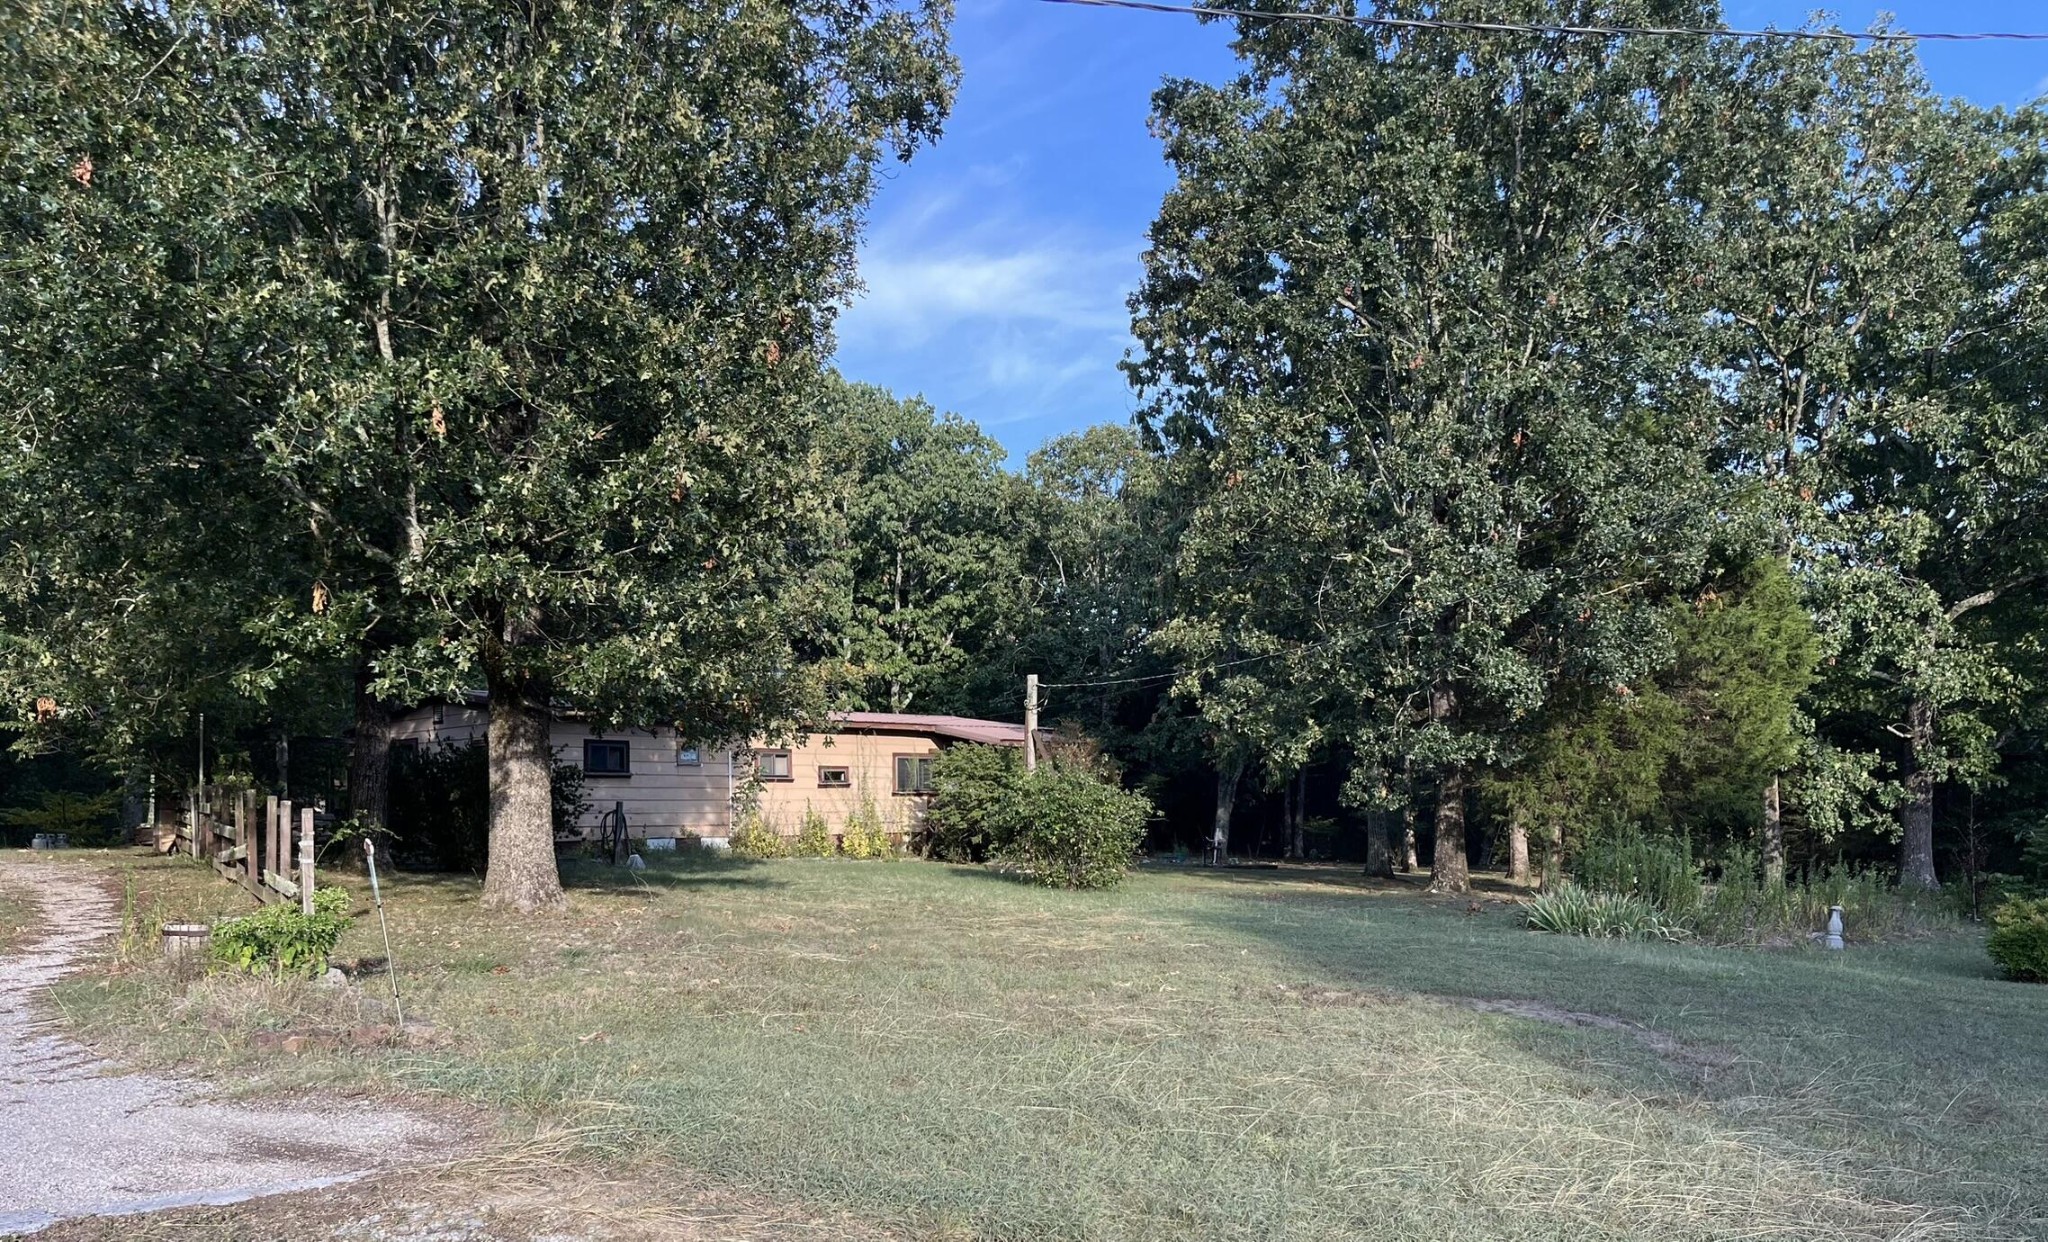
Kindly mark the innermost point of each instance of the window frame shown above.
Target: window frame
(915, 791)
(625, 752)
(788, 764)
(845, 780)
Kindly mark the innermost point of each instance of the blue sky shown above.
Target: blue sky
(997, 262)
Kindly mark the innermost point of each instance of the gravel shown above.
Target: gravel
(78, 1137)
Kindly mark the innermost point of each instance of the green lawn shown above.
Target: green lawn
(1271, 1055)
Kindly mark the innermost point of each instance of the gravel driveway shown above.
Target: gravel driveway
(78, 1137)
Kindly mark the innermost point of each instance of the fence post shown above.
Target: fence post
(306, 861)
(280, 861)
(263, 850)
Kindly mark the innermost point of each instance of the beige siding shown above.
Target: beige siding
(458, 724)
(870, 759)
(662, 798)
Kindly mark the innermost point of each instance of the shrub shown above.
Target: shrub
(1625, 860)
(2019, 939)
(813, 836)
(1070, 829)
(1574, 911)
(973, 809)
(90, 821)
(278, 937)
(757, 838)
(864, 835)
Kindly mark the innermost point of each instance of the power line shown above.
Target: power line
(1178, 673)
(1478, 27)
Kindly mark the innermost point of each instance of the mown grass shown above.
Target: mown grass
(1279, 1055)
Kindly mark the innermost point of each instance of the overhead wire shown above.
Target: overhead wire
(1456, 25)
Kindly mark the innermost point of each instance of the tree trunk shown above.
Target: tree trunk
(281, 754)
(1916, 847)
(1226, 800)
(1553, 856)
(369, 762)
(520, 873)
(1379, 854)
(1518, 847)
(1297, 816)
(1408, 859)
(1448, 870)
(1773, 835)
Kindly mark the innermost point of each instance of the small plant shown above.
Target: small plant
(2019, 939)
(757, 838)
(864, 836)
(278, 937)
(1575, 911)
(813, 836)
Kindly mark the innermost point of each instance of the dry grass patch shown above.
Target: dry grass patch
(933, 1051)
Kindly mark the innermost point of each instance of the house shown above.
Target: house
(670, 785)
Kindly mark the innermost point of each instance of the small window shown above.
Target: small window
(914, 774)
(602, 757)
(406, 746)
(689, 757)
(772, 765)
(439, 711)
(835, 778)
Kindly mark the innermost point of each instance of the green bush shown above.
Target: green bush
(2019, 939)
(90, 821)
(1574, 911)
(864, 835)
(813, 836)
(1625, 860)
(973, 809)
(757, 838)
(1062, 825)
(1072, 829)
(278, 937)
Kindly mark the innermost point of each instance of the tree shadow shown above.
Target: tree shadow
(1848, 1052)
(1349, 877)
(683, 870)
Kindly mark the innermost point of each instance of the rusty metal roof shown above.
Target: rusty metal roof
(960, 728)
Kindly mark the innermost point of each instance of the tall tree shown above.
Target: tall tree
(142, 539)
(1422, 306)
(933, 529)
(543, 290)
(1855, 334)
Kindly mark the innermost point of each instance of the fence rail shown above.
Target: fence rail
(249, 840)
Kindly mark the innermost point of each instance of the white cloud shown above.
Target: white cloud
(912, 297)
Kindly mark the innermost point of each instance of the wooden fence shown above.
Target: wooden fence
(248, 837)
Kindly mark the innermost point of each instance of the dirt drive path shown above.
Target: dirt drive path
(80, 1138)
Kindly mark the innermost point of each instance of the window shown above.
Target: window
(439, 712)
(606, 758)
(772, 765)
(835, 778)
(914, 774)
(689, 757)
(406, 746)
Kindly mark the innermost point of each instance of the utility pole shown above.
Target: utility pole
(1031, 722)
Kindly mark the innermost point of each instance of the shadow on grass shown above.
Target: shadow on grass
(1897, 1056)
(682, 871)
(1349, 877)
